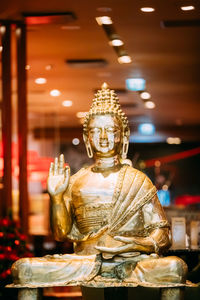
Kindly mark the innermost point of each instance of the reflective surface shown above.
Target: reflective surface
(109, 210)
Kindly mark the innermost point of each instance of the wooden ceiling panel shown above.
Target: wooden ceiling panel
(168, 58)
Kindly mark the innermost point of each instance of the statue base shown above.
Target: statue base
(124, 293)
(110, 290)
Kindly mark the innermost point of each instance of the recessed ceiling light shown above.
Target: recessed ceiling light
(27, 67)
(55, 93)
(40, 80)
(68, 27)
(81, 114)
(147, 9)
(104, 9)
(149, 104)
(125, 59)
(145, 95)
(75, 141)
(186, 8)
(104, 20)
(48, 67)
(67, 103)
(104, 74)
(116, 43)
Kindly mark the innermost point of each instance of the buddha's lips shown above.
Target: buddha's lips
(104, 144)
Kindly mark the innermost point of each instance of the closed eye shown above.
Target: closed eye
(112, 129)
(95, 130)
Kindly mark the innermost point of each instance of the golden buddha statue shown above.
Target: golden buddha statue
(109, 210)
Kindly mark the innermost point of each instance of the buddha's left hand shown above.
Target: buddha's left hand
(130, 245)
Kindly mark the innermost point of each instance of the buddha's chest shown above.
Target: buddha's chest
(94, 188)
(92, 196)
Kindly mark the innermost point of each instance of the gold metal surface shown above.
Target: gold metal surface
(29, 294)
(109, 210)
(172, 294)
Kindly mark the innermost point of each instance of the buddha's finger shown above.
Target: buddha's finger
(61, 164)
(51, 169)
(106, 249)
(124, 239)
(67, 174)
(56, 166)
(113, 250)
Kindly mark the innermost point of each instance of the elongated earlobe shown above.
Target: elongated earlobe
(125, 145)
(89, 149)
(88, 146)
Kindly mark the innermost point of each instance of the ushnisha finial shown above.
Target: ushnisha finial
(106, 102)
(104, 86)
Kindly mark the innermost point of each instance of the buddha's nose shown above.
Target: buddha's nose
(103, 134)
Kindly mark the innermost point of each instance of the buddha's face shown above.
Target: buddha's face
(104, 134)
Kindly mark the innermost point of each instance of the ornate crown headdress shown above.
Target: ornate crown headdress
(106, 102)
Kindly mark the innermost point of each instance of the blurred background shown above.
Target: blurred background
(54, 57)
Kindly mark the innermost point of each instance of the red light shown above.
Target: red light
(39, 20)
(173, 157)
(187, 199)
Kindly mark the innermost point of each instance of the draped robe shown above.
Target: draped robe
(136, 211)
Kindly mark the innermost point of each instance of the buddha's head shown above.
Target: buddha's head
(105, 130)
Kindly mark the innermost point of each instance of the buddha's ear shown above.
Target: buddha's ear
(88, 146)
(125, 144)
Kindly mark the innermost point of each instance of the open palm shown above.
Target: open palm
(58, 178)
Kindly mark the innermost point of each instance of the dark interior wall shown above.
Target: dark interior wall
(184, 174)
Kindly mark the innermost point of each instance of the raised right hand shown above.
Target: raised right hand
(58, 178)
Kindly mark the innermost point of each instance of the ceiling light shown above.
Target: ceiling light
(81, 114)
(67, 103)
(135, 84)
(186, 8)
(147, 9)
(146, 129)
(149, 104)
(55, 93)
(104, 20)
(104, 74)
(27, 67)
(1, 48)
(116, 43)
(125, 59)
(75, 141)
(104, 9)
(145, 95)
(40, 80)
(48, 67)
(174, 140)
(68, 27)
